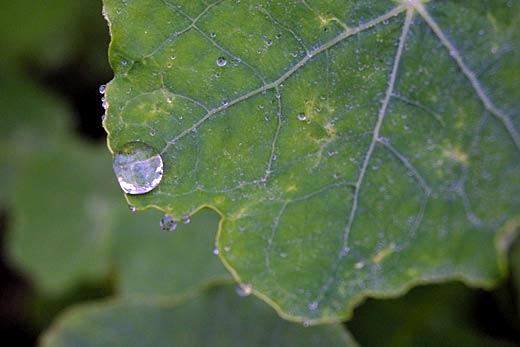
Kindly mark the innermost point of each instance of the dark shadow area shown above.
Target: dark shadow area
(24, 312)
(14, 293)
(80, 88)
(441, 315)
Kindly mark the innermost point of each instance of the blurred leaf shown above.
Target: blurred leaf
(152, 262)
(62, 215)
(218, 317)
(31, 118)
(48, 32)
(70, 225)
(437, 316)
(353, 148)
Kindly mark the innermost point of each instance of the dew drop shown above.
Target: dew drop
(138, 167)
(243, 289)
(221, 61)
(132, 208)
(167, 223)
(359, 265)
(215, 251)
(302, 116)
(313, 305)
(269, 43)
(186, 220)
(212, 35)
(103, 88)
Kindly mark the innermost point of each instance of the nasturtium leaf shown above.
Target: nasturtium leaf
(50, 33)
(151, 262)
(216, 317)
(87, 232)
(31, 118)
(353, 148)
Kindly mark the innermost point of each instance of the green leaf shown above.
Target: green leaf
(70, 226)
(60, 216)
(353, 148)
(151, 262)
(216, 318)
(49, 33)
(31, 119)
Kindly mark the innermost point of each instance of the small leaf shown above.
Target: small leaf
(218, 317)
(353, 148)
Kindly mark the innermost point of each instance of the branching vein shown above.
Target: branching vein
(375, 138)
(470, 75)
(394, 12)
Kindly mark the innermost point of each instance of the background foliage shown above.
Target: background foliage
(69, 236)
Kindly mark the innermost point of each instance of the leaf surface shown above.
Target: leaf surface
(216, 318)
(353, 148)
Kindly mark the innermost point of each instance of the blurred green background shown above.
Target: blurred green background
(67, 236)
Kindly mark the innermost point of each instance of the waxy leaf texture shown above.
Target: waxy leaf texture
(352, 148)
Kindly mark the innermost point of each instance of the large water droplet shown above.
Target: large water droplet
(103, 88)
(221, 61)
(168, 223)
(313, 305)
(138, 167)
(244, 289)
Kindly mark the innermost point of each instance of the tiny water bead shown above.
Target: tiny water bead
(221, 61)
(244, 289)
(138, 167)
(102, 88)
(302, 116)
(167, 223)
